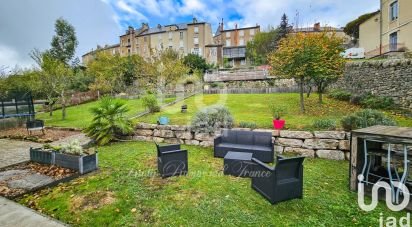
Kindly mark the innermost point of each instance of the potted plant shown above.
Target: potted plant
(44, 155)
(73, 156)
(277, 112)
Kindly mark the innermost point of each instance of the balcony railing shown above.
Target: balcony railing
(393, 47)
(234, 52)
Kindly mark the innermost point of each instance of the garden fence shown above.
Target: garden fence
(293, 89)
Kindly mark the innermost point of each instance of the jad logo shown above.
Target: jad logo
(389, 198)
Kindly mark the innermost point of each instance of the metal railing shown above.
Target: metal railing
(393, 47)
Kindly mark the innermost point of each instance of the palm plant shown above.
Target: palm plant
(109, 120)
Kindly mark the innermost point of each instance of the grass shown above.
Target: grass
(254, 108)
(127, 192)
(80, 116)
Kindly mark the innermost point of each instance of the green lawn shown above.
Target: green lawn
(127, 192)
(254, 108)
(80, 116)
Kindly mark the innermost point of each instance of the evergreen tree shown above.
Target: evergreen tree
(64, 42)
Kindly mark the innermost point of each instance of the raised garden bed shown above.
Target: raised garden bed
(42, 156)
(82, 164)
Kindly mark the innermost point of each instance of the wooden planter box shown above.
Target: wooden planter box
(82, 164)
(41, 156)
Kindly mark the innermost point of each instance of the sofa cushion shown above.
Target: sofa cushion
(262, 138)
(237, 146)
(229, 136)
(245, 137)
(261, 148)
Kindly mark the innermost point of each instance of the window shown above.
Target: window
(170, 35)
(393, 41)
(394, 10)
(128, 51)
(181, 44)
(196, 40)
(241, 42)
(128, 40)
(181, 35)
(196, 29)
(241, 33)
(227, 34)
(252, 32)
(196, 51)
(228, 43)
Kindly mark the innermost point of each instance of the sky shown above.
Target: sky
(29, 24)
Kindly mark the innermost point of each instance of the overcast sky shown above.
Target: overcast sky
(29, 24)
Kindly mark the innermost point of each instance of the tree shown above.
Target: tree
(333, 64)
(169, 69)
(107, 70)
(308, 56)
(109, 120)
(265, 42)
(114, 73)
(64, 42)
(56, 79)
(352, 28)
(195, 62)
(283, 29)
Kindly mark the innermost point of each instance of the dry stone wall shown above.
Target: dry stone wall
(391, 78)
(319, 144)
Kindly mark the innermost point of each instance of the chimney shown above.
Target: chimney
(316, 27)
(236, 26)
(159, 26)
(194, 20)
(221, 27)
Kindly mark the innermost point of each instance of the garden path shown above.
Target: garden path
(14, 214)
(15, 151)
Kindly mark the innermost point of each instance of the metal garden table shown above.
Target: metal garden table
(362, 154)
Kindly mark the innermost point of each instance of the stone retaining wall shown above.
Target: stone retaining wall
(319, 144)
(391, 78)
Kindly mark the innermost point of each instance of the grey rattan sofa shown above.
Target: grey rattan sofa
(258, 143)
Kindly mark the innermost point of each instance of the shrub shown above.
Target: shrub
(150, 103)
(340, 95)
(277, 111)
(244, 124)
(376, 102)
(366, 118)
(109, 120)
(327, 124)
(214, 85)
(219, 85)
(73, 147)
(355, 99)
(210, 119)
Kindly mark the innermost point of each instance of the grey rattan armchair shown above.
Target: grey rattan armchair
(171, 160)
(279, 183)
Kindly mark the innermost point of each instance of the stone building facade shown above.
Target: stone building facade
(109, 49)
(231, 43)
(184, 38)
